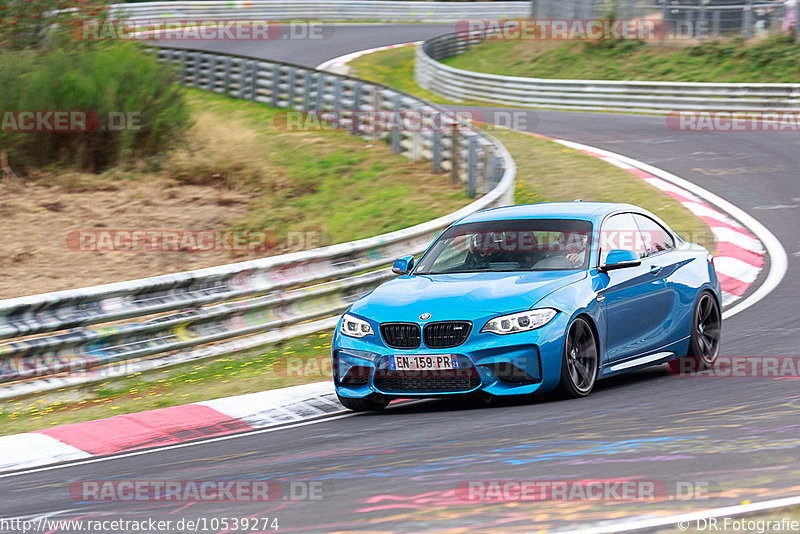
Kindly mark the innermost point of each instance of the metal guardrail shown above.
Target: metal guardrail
(218, 310)
(328, 10)
(641, 96)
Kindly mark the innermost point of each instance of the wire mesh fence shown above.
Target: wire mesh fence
(687, 19)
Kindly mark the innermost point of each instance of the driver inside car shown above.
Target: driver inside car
(574, 244)
(505, 247)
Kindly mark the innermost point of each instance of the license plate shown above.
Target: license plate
(418, 362)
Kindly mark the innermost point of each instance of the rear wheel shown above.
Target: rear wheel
(580, 361)
(366, 404)
(704, 339)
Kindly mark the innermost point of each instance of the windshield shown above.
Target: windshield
(510, 245)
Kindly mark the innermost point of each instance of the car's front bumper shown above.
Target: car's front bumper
(513, 364)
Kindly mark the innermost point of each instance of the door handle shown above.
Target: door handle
(655, 269)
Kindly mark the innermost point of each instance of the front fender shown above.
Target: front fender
(579, 298)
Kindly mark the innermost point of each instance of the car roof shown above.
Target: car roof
(587, 211)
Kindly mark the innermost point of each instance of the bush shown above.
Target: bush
(104, 79)
(34, 23)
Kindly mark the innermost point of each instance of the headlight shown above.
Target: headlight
(520, 322)
(354, 327)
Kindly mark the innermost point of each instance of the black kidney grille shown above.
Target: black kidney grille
(401, 335)
(446, 334)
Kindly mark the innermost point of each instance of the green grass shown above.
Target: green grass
(330, 182)
(774, 59)
(110, 77)
(395, 68)
(547, 171)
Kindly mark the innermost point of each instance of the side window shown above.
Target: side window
(656, 238)
(620, 232)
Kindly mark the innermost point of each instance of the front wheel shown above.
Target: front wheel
(705, 337)
(580, 360)
(366, 404)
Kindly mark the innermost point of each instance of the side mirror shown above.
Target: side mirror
(403, 265)
(619, 259)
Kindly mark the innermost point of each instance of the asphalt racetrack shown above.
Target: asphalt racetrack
(729, 439)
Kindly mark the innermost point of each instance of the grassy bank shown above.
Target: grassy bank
(776, 59)
(234, 171)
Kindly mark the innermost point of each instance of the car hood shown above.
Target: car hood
(460, 296)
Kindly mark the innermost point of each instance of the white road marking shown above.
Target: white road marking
(626, 525)
(737, 238)
(779, 261)
(736, 268)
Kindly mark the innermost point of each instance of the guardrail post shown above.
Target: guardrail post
(191, 68)
(211, 82)
(416, 137)
(226, 77)
(184, 59)
(197, 63)
(306, 90)
(631, 9)
(290, 90)
(454, 152)
(472, 171)
(243, 73)
(356, 105)
(747, 20)
(436, 147)
(337, 94)
(319, 101)
(377, 105)
(395, 136)
(494, 166)
(276, 84)
(702, 22)
(797, 19)
(253, 80)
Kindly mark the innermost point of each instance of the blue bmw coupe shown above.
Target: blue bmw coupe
(529, 299)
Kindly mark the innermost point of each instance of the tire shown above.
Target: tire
(366, 404)
(580, 361)
(704, 339)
